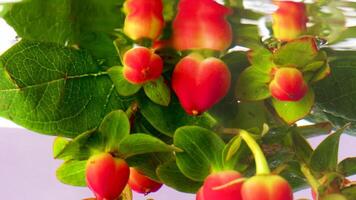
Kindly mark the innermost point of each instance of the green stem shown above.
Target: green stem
(310, 178)
(260, 159)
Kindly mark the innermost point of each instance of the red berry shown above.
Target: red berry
(141, 183)
(288, 85)
(222, 186)
(290, 20)
(142, 65)
(144, 19)
(266, 187)
(200, 83)
(201, 24)
(107, 176)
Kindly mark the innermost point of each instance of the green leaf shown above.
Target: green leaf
(58, 145)
(202, 151)
(297, 52)
(88, 24)
(141, 144)
(55, 90)
(291, 112)
(72, 173)
(325, 156)
(235, 154)
(301, 147)
(168, 119)
(80, 147)
(252, 84)
(148, 163)
(171, 176)
(335, 95)
(349, 192)
(158, 91)
(322, 128)
(114, 128)
(262, 58)
(348, 166)
(122, 86)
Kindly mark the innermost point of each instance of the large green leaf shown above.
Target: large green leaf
(72, 173)
(55, 90)
(168, 119)
(335, 95)
(325, 156)
(158, 91)
(171, 176)
(202, 152)
(87, 23)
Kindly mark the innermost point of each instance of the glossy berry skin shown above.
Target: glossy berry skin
(290, 20)
(106, 176)
(201, 24)
(216, 186)
(144, 19)
(141, 183)
(288, 84)
(142, 65)
(200, 83)
(266, 187)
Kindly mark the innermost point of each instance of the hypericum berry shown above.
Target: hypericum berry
(106, 176)
(266, 187)
(142, 65)
(290, 20)
(144, 19)
(141, 183)
(200, 83)
(288, 85)
(222, 186)
(201, 24)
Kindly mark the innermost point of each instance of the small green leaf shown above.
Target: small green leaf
(168, 119)
(348, 166)
(80, 148)
(291, 112)
(252, 84)
(262, 58)
(301, 147)
(148, 163)
(114, 127)
(58, 145)
(298, 52)
(202, 151)
(234, 154)
(141, 144)
(158, 91)
(72, 173)
(325, 156)
(171, 176)
(122, 86)
(322, 128)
